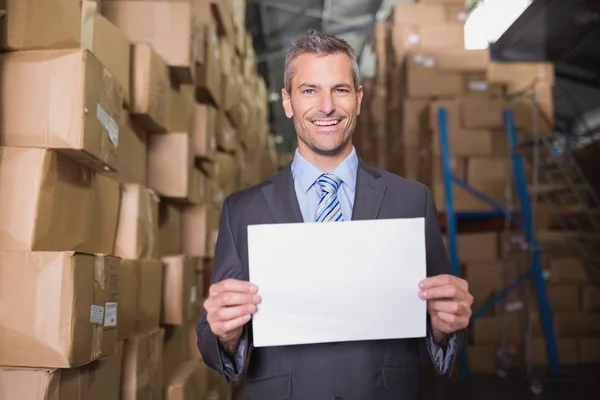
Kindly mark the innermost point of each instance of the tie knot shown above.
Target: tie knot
(329, 183)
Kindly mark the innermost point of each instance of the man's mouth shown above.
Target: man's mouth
(326, 122)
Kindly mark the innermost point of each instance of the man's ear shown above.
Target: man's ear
(287, 103)
(359, 97)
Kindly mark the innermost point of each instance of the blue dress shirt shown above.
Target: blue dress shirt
(308, 193)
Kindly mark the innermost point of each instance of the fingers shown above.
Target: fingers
(226, 299)
(223, 328)
(447, 306)
(443, 280)
(232, 285)
(448, 291)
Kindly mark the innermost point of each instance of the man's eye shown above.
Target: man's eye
(309, 91)
(342, 90)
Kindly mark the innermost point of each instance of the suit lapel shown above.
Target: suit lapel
(281, 197)
(370, 189)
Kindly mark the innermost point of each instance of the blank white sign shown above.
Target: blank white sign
(338, 281)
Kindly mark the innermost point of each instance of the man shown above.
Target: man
(325, 183)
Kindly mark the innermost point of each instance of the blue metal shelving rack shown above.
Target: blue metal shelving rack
(524, 222)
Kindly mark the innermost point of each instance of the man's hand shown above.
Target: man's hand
(449, 304)
(229, 306)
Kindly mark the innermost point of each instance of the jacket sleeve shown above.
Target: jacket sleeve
(226, 265)
(443, 359)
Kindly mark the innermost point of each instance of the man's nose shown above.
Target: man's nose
(326, 105)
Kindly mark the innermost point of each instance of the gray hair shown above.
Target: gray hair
(317, 43)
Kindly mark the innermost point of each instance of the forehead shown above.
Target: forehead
(329, 69)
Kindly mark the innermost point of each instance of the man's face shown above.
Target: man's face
(323, 102)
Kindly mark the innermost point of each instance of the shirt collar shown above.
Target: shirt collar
(307, 173)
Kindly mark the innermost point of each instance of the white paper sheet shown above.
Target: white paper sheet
(334, 282)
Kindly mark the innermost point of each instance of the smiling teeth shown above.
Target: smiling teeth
(326, 123)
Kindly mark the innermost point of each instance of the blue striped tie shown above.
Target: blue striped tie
(329, 209)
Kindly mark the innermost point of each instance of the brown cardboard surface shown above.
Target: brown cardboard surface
(564, 298)
(180, 116)
(567, 351)
(132, 153)
(477, 84)
(487, 277)
(226, 135)
(436, 36)
(150, 290)
(576, 324)
(466, 143)
(458, 167)
(566, 270)
(188, 382)
(415, 120)
(482, 112)
(195, 229)
(226, 170)
(490, 330)
(589, 350)
(137, 233)
(33, 24)
(98, 380)
(61, 99)
(180, 271)
(418, 12)
(149, 88)
(128, 298)
(488, 170)
(452, 59)
(169, 229)
(171, 165)
(483, 358)
(204, 130)
(208, 74)
(67, 308)
(175, 350)
(110, 45)
(423, 83)
(477, 247)
(519, 75)
(590, 300)
(50, 203)
(168, 26)
(142, 367)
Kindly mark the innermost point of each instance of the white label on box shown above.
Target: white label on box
(97, 315)
(194, 295)
(110, 316)
(462, 16)
(514, 306)
(429, 62)
(109, 124)
(213, 143)
(478, 86)
(413, 38)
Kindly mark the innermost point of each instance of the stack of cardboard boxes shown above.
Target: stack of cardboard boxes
(124, 125)
(423, 68)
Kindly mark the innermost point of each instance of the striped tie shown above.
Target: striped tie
(329, 209)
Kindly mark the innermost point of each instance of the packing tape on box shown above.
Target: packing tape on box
(149, 231)
(100, 271)
(97, 332)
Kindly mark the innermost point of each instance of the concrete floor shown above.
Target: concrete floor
(576, 383)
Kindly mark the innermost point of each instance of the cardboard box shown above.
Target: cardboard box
(590, 298)
(64, 100)
(576, 324)
(478, 247)
(456, 60)
(150, 95)
(465, 143)
(589, 350)
(567, 351)
(142, 367)
(208, 74)
(178, 300)
(64, 311)
(492, 330)
(171, 166)
(132, 153)
(564, 298)
(425, 82)
(50, 203)
(226, 135)
(180, 116)
(140, 297)
(488, 170)
(137, 234)
(476, 84)
(489, 277)
(169, 229)
(483, 358)
(456, 12)
(482, 112)
(189, 382)
(98, 380)
(204, 130)
(110, 45)
(519, 76)
(437, 36)
(33, 24)
(196, 237)
(415, 121)
(458, 168)
(566, 270)
(226, 169)
(175, 350)
(411, 13)
(168, 27)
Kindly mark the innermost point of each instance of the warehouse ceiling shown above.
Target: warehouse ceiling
(566, 32)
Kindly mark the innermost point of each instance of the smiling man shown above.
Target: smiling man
(326, 183)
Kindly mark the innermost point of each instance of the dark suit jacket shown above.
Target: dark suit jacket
(377, 370)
